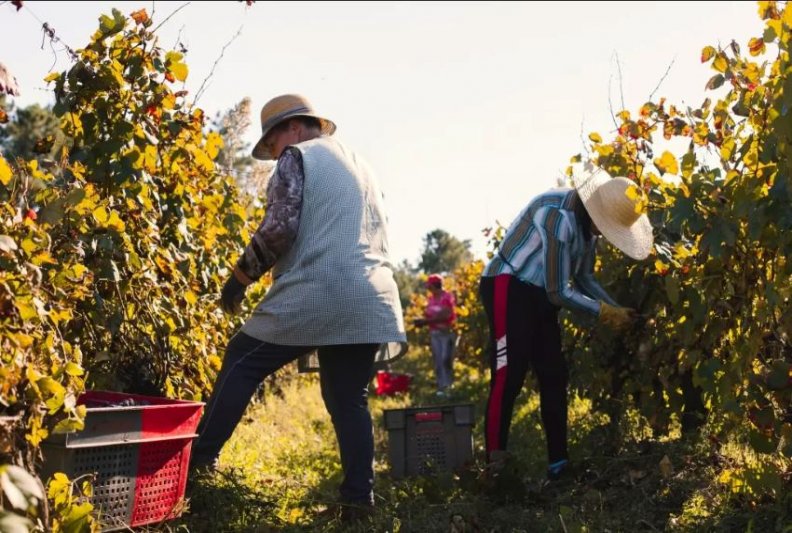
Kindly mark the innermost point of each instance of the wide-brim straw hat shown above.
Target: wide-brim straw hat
(283, 108)
(615, 207)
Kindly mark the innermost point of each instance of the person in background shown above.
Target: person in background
(325, 238)
(544, 262)
(440, 317)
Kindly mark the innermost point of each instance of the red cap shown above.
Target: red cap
(434, 279)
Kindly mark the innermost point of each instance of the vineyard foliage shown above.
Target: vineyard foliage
(113, 252)
(713, 341)
(112, 255)
(714, 338)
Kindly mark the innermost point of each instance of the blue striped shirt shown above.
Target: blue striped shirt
(545, 246)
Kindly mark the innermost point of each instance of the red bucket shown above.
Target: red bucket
(389, 383)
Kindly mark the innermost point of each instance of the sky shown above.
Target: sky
(465, 110)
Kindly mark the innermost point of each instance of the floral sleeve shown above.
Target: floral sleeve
(277, 232)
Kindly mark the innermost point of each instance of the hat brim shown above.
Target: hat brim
(261, 152)
(635, 240)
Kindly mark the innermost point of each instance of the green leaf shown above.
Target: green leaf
(52, 213)
(763, 443)
(110, 26)
(715, 82)
(73, 369)
(688, 164)
(68, 425)
(780, 376)
(74, 197)
(672, 289)
(786, 433)
(77, 521)
(50, 386)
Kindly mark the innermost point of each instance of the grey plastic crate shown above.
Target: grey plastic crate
(424, 440)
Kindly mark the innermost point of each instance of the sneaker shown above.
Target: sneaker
(558, 470)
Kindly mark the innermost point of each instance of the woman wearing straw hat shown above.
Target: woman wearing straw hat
(324, 237)
(546, 261)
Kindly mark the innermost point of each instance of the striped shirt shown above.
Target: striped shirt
(545, 246)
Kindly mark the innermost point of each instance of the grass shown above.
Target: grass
(281, 469)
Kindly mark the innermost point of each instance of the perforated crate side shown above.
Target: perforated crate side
(162, 477)
(422, 440)
(112, 474)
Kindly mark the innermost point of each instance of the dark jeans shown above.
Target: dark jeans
(344, 375)
(524, 332)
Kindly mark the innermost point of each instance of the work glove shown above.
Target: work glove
(616, 318)
(232, 295)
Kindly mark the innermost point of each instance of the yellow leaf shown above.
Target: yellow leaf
(73, 369)
(100, 215)
(595, 137)
(115, 222)
(213, 144)
(667, 163)
(190, 297)
(150, 158)
(22, 340)
(5, 172)
(756, 46)
(680, 252)
(78, 270)
(29, 246)
(786, 16)
(707, 53)
(636, 195)
(730, 176)
(169, 102)
(721, 63)
(179, 71)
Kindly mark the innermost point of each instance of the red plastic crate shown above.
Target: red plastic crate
(138, 455)
(389, 383)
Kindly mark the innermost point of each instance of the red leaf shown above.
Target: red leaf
(17, 4)
(169, 77)
(31, 215)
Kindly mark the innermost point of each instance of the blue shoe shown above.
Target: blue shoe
(558, 470)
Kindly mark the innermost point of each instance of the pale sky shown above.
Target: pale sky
(464, 110)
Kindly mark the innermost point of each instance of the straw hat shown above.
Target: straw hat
(282, 108)
(616, 213)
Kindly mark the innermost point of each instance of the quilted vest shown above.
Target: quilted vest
(336, 284)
